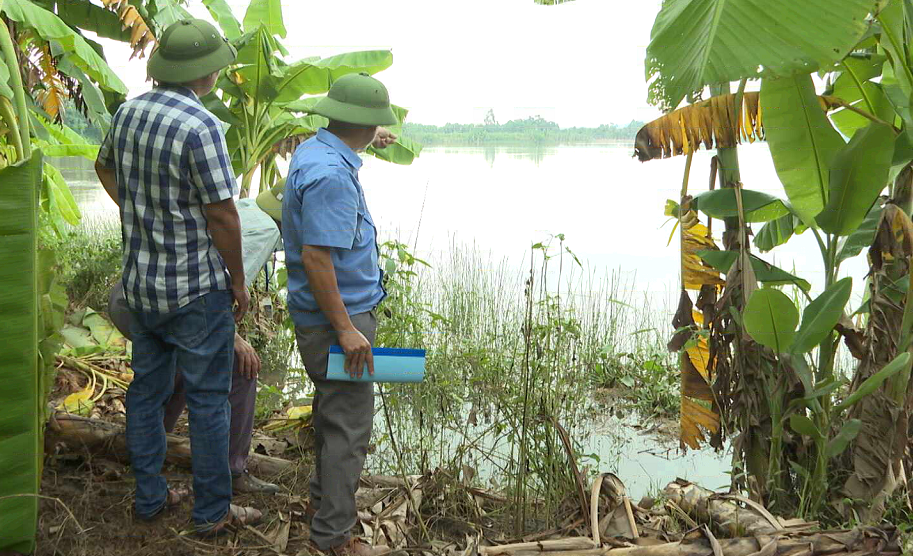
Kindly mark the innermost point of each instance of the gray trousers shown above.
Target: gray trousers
(343, 413)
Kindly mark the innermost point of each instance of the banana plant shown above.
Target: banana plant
(33, 301)
(63, 22)
(21, 424)
(268, 101)
(59, 62)
(771, 318)
(834, 169)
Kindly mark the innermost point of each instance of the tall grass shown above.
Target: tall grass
(513, 357)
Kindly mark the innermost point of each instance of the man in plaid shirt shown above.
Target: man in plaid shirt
(165, 163)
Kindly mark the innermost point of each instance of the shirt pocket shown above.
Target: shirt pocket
(360, 223)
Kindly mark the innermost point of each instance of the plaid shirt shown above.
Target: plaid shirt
(171, 159)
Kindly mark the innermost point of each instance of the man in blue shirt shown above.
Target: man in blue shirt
(334, 284)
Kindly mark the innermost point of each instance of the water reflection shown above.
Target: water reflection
(532, 153)
(644, 459)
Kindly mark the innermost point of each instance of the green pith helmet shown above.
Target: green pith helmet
(357, 99)
(270, 201)
(189, 49)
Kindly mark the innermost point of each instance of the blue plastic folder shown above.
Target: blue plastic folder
(390, 365)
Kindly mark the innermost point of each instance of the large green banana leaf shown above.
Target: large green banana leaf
(849, 122)
(893, 21)
(259, 68)
(61, 206)
(765, 272)
(778, 231)
(864, 68)
(166, 12)
(51, 28)
(267, 13)
(20, 379)
(859, 173)
(87, 16)
(695, 43)
(221, 12)
(267, 79)
(64, 141)
(316, 76)
(802, 142)
(404, 150)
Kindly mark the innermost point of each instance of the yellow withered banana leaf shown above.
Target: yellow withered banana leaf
(699, 356)
(696, 380)
(695, 420)
(140, 34)
(79, 403)
(694, 273)
(709, 123)
(53, 94)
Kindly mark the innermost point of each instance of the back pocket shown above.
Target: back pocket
(190, 326)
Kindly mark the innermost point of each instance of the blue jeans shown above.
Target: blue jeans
(199, 338)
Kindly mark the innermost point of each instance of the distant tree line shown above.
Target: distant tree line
(535, 130)
(532, 130)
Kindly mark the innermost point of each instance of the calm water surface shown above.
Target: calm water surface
(503, 199)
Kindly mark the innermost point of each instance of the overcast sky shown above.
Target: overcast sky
(579, 64)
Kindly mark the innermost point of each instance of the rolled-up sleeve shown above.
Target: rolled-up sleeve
(210, 164)
(329, 212)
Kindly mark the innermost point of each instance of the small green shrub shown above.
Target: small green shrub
(648, 377)
(89, 262)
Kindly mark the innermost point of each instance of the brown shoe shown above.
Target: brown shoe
(358, 547)
(236, 518)
(173, 499)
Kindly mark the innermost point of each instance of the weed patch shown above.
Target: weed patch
(89, 261)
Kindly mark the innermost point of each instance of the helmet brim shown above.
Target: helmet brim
(164, 70)
(356, 115)
(269, 202)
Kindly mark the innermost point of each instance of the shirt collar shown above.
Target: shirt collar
(326, 137)
(181, 90)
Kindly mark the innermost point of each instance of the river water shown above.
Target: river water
(503, 199)
(608, 205)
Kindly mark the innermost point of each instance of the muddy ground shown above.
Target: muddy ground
(99, 494)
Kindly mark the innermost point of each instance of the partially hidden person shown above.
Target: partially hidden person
(242, 397)
(165, 163)
(335, 284)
